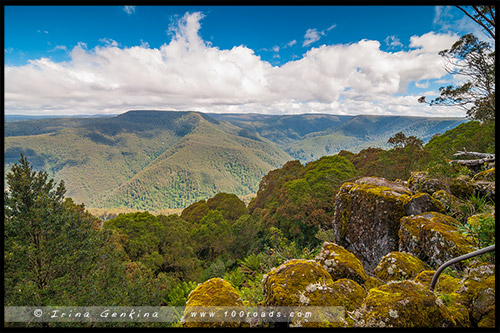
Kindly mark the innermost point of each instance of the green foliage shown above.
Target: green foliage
(300, 199)
(212, 235)
(475, 60)
(483, 231)
(178, 295)
(54, 253)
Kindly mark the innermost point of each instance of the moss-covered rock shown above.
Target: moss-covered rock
(450, 201)
(214, 293)
(397, 266)
(479, 292)
(372, 282)
(461, 187)
(422, 202)
(433, 238)
(284, 285)
(484, 183)
(420, 181)
(446, 289)
(367, 218)
(486, 175)
(343, 293)
(341, 263)
(402, 304)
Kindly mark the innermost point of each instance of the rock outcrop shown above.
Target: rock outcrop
(341, 263)
(433, 238)
(397, 266)
(286, 284)
(214, 293)
(402, 304)
(366, 220)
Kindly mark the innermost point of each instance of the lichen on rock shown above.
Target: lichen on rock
(214, 293)
(433, 238)
(343, 293)
(402, 304)
(421, 203)
(397, 266)
(367, 218)
(341, 263)
(420, 181)
(479, 292)
(284, 285)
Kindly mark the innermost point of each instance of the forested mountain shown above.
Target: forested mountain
(159, 159)
(309, 137)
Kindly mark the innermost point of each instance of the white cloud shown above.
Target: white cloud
(129, 9)
(311, 36)
(393, 42)
(188, 73)
(291, 43)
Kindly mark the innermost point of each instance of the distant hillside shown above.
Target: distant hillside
(147, 159)
(156, 160)
(309, 137)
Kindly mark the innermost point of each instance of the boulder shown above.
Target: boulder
(402, 304)
(433, 238)
(284, 285)
(420, 181)
(421, 203)
(446, 289)
(484, 183)
(341, 263)
(450, 201)
(367, 218)
(344, 293)
(479, 292)
(397, 266)
(215, 292)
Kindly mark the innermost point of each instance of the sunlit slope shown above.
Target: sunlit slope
(211, 159)
(148, 159)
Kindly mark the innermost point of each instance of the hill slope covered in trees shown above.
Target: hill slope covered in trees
(155, 160)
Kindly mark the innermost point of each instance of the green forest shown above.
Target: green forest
(56, 253)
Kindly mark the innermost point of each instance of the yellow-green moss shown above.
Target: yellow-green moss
(215, 292)
(372, 282)
(343, 293)
(446, 289)
(403, 304)
(433, 237)
(341, 263)
(488, 320)
(399, 266)
(284, 285)
(486, 175)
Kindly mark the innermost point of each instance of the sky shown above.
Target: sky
(346, 60)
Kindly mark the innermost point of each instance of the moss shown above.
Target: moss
(422, 202)
(446, 288)
(479, 290)
(366, 220)
(341, 263)
(486, 175)
(215, 292)
(433, 238)
(461, 188)
(403, 304)
(284, 285)
(421, 182)
(372, 282)
(449, 201)
(343, 293)
(488, 320)
(399, 266)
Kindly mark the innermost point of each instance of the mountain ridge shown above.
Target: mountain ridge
(150, 159)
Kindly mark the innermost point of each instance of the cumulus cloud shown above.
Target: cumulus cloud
(188, 73)
(393, 42)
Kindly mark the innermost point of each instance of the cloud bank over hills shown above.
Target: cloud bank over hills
(189, 73)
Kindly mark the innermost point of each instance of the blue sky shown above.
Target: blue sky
(265, 59)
